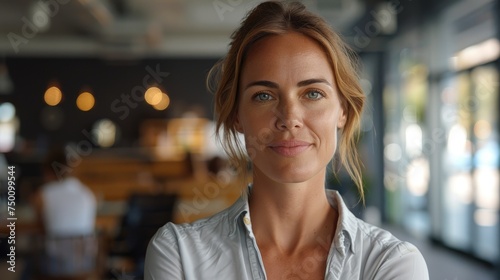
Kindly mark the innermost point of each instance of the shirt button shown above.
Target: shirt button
(246, 220)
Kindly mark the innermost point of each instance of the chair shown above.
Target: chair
(145, 214)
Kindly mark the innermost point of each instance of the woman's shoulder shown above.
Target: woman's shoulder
(387, 256)
(381, 239)
(181, 230)
(390, 253)
(218, 224)
(363, 236)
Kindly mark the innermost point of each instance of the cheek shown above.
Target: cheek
(254, 121)
(325, 126)
(325, 119)
(256, 130)
(258, 135)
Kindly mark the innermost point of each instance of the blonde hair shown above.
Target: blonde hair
(275, 17)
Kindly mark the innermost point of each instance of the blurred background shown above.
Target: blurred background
(120, 86)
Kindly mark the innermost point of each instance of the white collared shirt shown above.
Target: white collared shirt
(224, 247)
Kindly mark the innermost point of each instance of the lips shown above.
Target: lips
(289, 148)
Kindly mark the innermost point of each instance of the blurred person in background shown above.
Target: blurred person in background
(289, 85)
(66, 212)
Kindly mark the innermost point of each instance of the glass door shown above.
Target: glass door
(470, 161)
(485, 162)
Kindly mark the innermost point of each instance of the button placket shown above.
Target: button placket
(255, 258)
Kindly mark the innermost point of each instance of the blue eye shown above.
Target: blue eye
(262, 96)
(314, 94)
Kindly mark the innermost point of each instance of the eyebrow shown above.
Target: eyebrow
(313, 81)
(264, 83)
(270, 84)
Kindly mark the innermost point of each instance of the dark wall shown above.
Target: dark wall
(116, 85)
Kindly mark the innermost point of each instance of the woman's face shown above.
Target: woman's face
(289, 108)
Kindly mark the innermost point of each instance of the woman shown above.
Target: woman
(289, 86)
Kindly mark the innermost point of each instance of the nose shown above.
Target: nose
(288, 115)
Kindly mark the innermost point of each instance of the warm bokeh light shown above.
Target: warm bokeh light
(459, 187)
(85, 101)
(393, 152)
(414, 140)
(482, 129)
(483, 52)
(486, 187)
(153, 96)
(485, 217)
(457, 140)
(417, 177)
(7, 137)
(53, 96)
(105, 132)
(164, 102)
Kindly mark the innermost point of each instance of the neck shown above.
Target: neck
(291, 216)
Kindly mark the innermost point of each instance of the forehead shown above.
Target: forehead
(289, 53)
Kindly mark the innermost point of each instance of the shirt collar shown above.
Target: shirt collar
(237, 212)
(346, 225)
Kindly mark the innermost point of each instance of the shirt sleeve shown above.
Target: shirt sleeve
(403, 262)
(162, 256)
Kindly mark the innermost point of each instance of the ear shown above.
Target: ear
(342, 118)
(237, 125)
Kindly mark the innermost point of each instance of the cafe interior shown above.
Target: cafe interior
(120, 86)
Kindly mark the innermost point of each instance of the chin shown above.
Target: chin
(291, 175)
